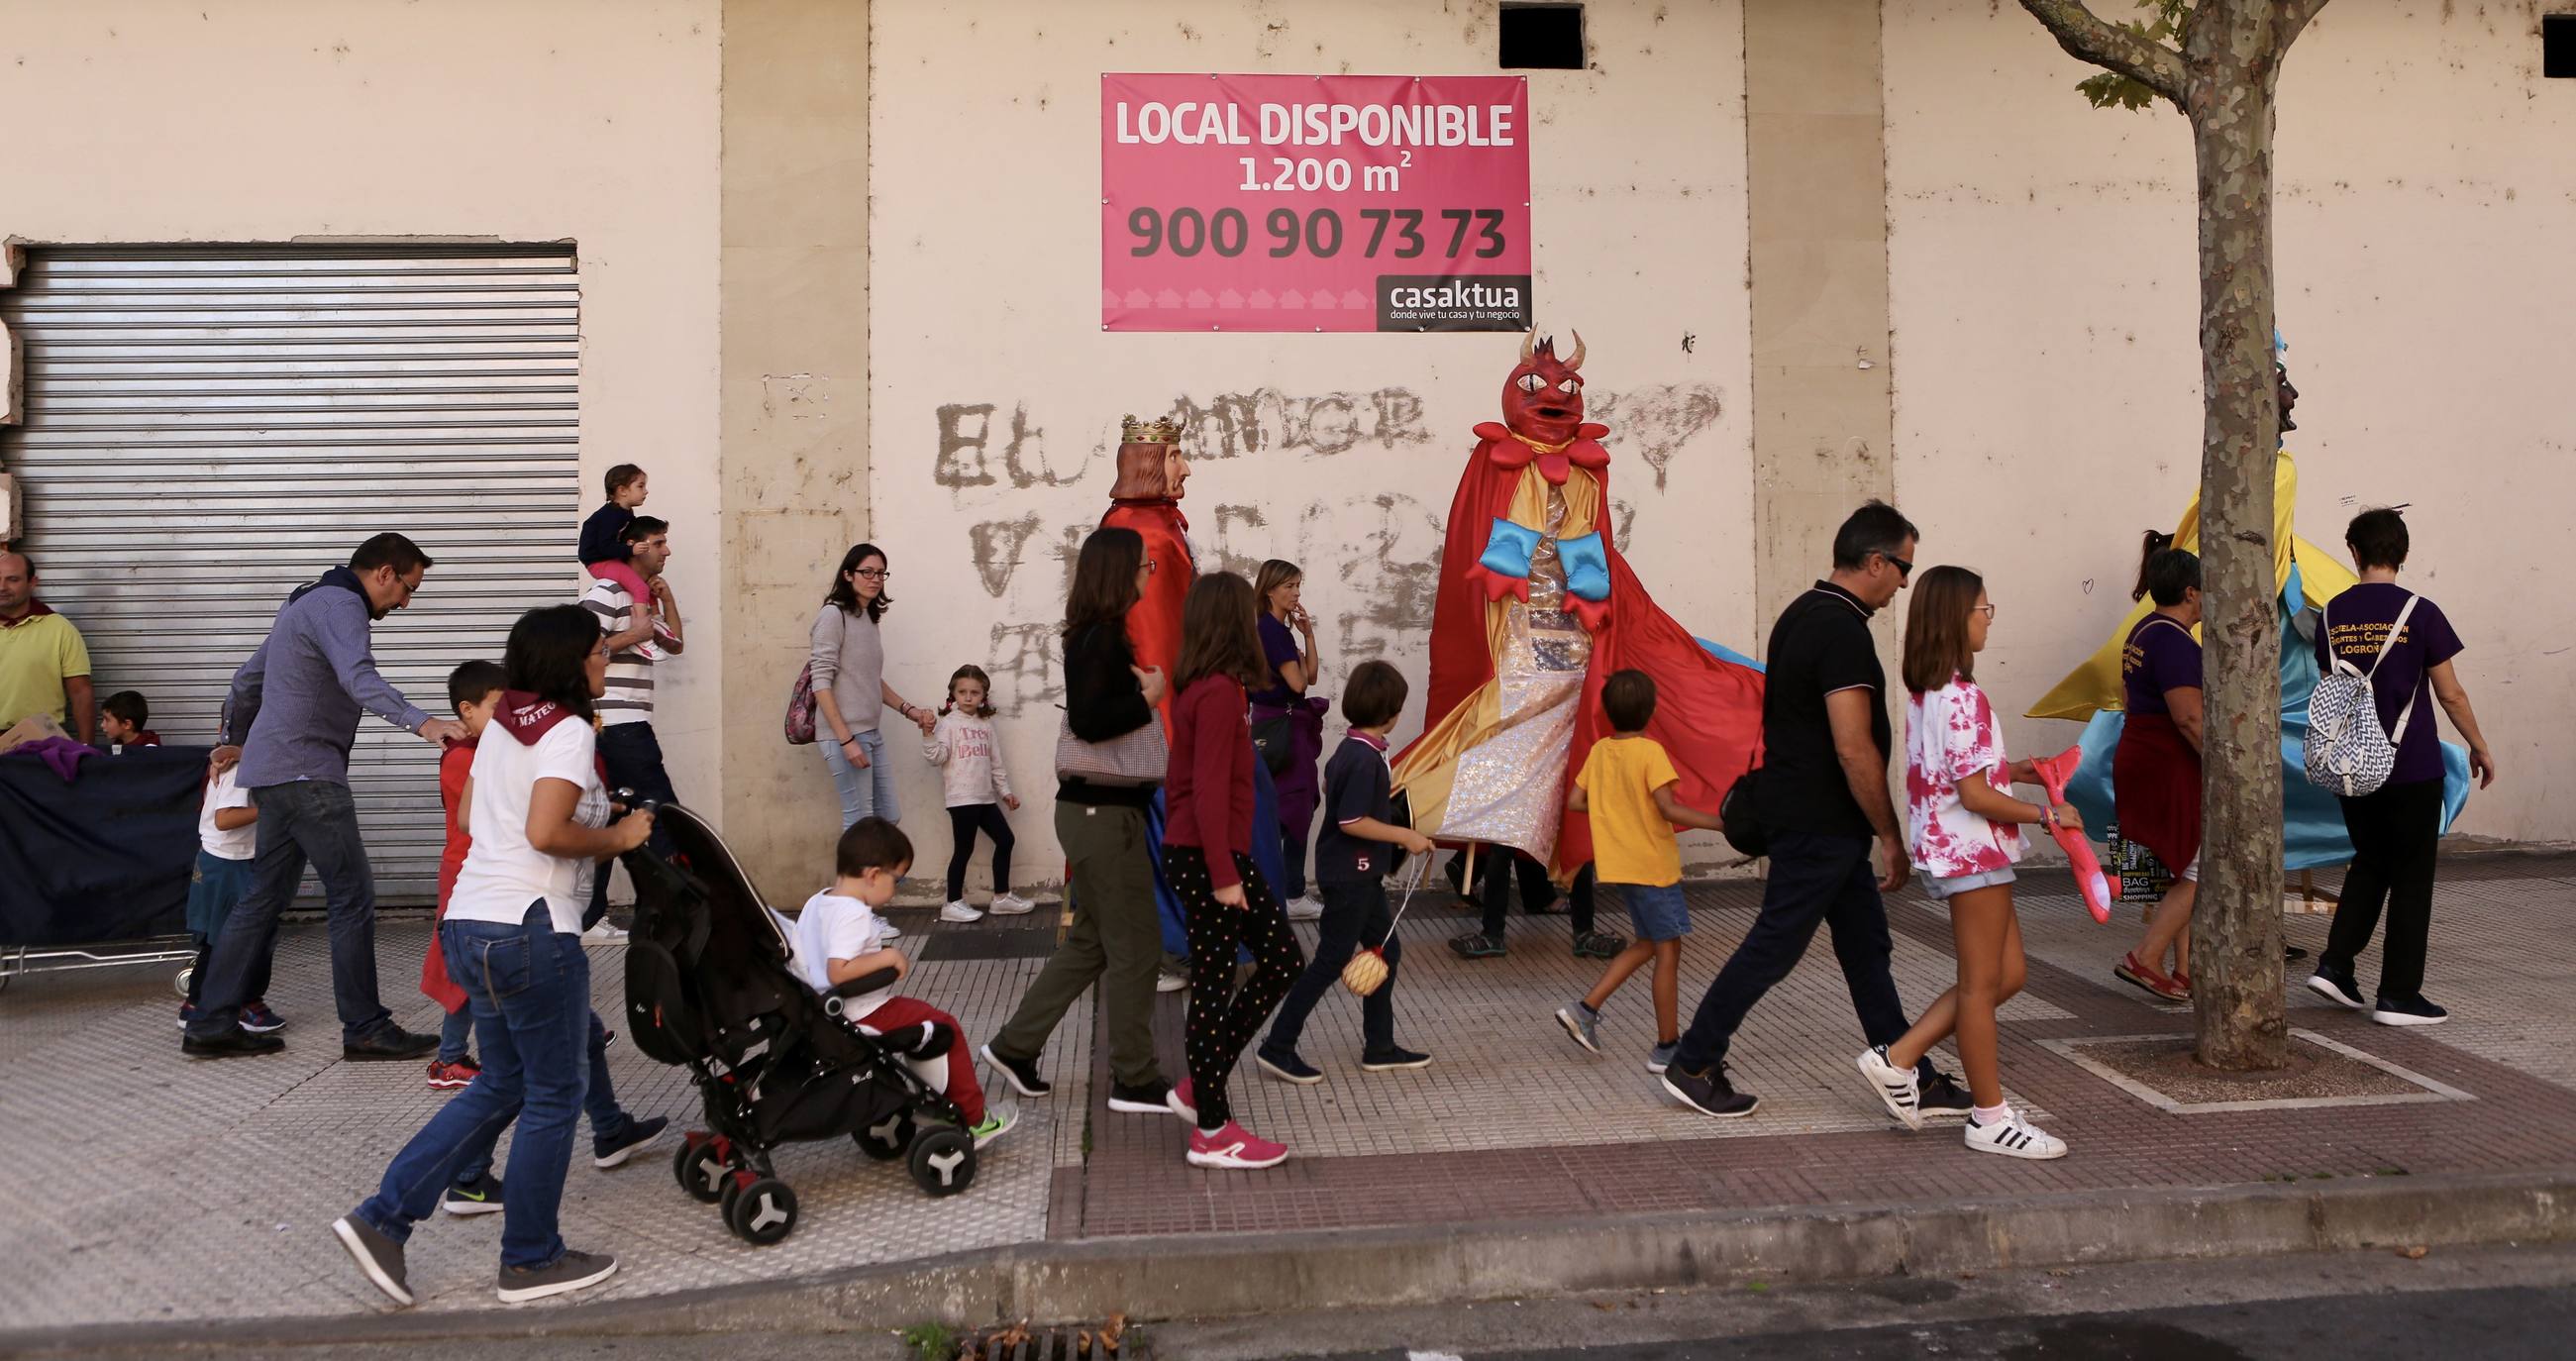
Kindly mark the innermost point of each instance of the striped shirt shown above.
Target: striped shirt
(629, 697)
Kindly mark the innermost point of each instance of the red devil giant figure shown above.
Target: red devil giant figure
(1536, 609)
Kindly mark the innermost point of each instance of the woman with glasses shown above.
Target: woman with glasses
(850, 690)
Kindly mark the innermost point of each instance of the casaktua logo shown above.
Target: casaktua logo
(1453, 302)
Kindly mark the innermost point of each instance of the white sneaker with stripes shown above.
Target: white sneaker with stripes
(2014, 1139)
(1895, 1086)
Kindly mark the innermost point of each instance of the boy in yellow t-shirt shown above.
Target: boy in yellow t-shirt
(1627, 787)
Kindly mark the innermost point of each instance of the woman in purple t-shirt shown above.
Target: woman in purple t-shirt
(2395, 828)
(1292, 659)
(2155, 772)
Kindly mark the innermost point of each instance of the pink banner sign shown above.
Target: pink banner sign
(1314, 203)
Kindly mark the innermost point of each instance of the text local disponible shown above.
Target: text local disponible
(1192, 123)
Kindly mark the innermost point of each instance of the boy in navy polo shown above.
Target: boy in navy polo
(1351, 864)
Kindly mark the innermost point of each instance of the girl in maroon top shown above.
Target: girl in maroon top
(1207, 858)
(2155, 771)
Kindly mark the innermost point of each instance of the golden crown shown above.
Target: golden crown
(1162, 430)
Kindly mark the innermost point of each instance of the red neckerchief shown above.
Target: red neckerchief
(1371, 738)
(36, 609)
(526, 717)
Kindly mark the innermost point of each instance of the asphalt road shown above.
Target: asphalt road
(2502, 1325)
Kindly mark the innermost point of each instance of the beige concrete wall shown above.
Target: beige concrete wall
(592, 121)
(794, 394)
(1819, 273)
(1340, 452)
(2048, 386)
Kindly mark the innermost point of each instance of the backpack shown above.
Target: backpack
(2347, 751)
(800, 709)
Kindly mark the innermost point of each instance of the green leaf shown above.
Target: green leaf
(2108, 89)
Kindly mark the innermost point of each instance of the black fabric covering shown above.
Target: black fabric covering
(104, 858)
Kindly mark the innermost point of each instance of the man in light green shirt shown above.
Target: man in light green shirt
(44, 664)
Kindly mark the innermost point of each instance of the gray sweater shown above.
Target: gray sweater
(299, 696)
(848, 657)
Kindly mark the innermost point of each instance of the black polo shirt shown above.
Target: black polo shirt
(1820, 645)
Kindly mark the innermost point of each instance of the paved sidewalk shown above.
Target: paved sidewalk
(146, 1187)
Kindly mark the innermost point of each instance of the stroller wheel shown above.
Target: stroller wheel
(943, 1160)
(700, 1170)
(886, 1140)
(762, 1212)
(179, 981)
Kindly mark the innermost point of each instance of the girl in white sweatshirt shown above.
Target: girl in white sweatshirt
(979, 788)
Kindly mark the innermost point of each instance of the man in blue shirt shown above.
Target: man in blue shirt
(294, 710)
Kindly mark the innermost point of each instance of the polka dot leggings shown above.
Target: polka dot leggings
(1223, 1019)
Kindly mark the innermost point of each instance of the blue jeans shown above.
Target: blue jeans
(453, 1034)
(529, 987)
(1355, 916)
(632, 756)
(1816, 880)
(867, 793)
(608, 1120)
(307, 820)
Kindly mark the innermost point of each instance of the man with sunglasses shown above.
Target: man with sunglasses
(1822, 797)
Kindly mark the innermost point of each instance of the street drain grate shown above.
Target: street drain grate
(1111, 1341)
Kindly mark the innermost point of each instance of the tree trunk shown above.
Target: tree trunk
(2236, 927)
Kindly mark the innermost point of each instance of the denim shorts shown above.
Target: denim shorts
(1958, 884)
(1655, 911)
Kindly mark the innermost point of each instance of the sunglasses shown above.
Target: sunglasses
(1904, 567)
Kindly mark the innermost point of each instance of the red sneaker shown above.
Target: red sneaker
(448, 1076)
(2157, 983)
(1234, 1147)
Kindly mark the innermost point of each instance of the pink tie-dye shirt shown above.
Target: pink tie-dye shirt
(1950, 735)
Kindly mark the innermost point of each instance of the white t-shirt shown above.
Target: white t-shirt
(1951, 735)
(503, 874)
(836, 927)
(241, 843)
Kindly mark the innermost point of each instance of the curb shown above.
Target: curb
(1203, 1275)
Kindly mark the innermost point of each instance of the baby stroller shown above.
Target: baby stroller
(710, 987)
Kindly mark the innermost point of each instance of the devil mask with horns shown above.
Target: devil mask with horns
(1537, 609)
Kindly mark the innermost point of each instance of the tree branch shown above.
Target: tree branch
(2292, 20)
(2087, 38)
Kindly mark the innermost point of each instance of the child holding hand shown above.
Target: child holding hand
(1351, 865)
(606, 554)
(1626, 787)
(969, 752)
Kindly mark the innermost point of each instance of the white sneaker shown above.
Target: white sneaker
(1168, 981)
(887, 930)
(2014, 1139)
(958, 911)
(648, 651)
(1307, 908)
(1010, 905)
(1895, 1086)
(604, 934)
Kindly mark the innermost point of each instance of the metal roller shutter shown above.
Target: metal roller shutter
(208, 427)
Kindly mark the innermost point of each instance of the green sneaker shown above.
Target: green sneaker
(995, 1123)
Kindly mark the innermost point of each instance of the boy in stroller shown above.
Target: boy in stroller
(839, 937)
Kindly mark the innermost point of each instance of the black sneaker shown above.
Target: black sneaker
(562, 1276)
(381, 1258)
(1393, 1060)
(638, 1133)
(390, 1044)
(1152, 1098)
(1708, 1092)
(1022, 1074)
(2337, 985)
(1598, 945)
(1941, 1094)
(1288, 1068)
(2408, 1011)
(481, 1196)
(1477, 945)
(234, 1043)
